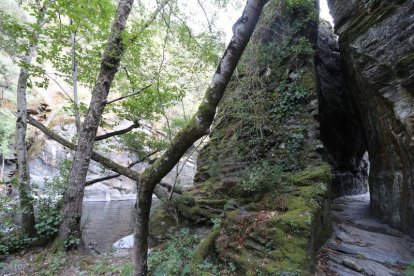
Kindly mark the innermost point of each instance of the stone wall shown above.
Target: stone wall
(376, 40)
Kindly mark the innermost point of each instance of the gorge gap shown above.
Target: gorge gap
(376, 52)
(348, 107)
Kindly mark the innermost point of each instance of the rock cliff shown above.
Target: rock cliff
(306, 119)
(340, 125)
(376, 41)
(262, 177)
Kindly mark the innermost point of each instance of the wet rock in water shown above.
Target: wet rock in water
(124, 243)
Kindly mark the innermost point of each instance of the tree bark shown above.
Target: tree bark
(2, 168)
(72, 200)
(197, 127)
(27, 215)
(75, 80)
(27, 218)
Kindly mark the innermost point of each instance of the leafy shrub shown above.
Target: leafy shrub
(48, 221)
(11, 235)
(175, 258)
(12, 239)
(409, 271)
(261, 178)
(48, 207)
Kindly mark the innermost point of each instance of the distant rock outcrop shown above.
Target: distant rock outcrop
(46, 155)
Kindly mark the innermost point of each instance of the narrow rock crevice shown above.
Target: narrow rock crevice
(340, 126)
(375, 42)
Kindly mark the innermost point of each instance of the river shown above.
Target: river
(103, 223)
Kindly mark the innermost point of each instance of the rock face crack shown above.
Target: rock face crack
(340, 126)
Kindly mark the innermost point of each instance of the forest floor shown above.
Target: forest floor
(361, 244)
(41, 261)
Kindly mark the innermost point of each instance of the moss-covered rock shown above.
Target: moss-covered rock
(260, 173)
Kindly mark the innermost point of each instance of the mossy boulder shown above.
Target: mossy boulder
(273, 241)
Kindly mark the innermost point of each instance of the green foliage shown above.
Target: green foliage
(207, 265)
(105, 268)
(409, 271)
(49, 201)
(261, 178)
(175, 258)
(54, 264)
(300, 3)
(141, 143)
(12, 238)
(71, 242)
(231, 204)
(289, 96)
(216, 222)
(48, 220)
(92, 28)
(7, 129)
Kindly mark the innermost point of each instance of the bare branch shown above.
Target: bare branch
(117, 132)
(100, 179)
(64, 91)
(205, 15)
(129, 95)
(95, 156)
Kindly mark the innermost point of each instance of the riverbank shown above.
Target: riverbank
(41, 261)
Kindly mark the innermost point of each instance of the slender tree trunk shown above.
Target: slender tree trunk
(27, 216)
(197, 127)
(75, 81)
(2, 169)
(71, 211)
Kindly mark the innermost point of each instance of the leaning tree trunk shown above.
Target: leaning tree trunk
(27, 216)
(197, 127)
(69, 231)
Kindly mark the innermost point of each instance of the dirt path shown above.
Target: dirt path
(361, 244)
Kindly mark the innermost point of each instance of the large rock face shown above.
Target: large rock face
(262, 170)
(376, 41)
